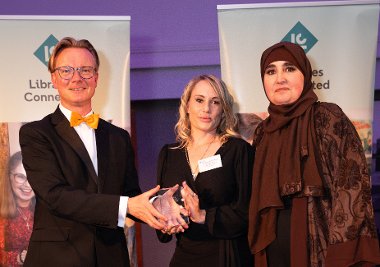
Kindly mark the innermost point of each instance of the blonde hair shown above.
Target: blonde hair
(227, 125)
(69, 42)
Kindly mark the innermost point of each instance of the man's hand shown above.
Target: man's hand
(140, 207)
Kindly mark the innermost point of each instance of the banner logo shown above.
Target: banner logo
(301, 36)
(44, 51)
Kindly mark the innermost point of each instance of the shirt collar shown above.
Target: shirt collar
(67, 112)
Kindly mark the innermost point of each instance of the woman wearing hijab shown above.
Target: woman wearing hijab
(311, 191)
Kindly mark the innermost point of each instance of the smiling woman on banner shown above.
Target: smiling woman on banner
(311, 192)
(216, 167)
(17, 213)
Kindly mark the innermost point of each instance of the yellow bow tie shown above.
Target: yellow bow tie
(91, 120)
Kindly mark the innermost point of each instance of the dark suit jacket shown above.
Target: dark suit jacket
(76, 213)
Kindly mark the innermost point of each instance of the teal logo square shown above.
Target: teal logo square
(300, 35)
(46, 48)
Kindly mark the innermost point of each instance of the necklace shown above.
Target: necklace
(26, 219)
(195, 172)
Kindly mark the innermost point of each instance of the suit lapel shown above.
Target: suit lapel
(68, 134)
(102, 146)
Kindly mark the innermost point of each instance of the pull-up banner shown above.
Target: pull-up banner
(339, 37)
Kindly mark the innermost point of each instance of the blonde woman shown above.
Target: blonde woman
(214, 166)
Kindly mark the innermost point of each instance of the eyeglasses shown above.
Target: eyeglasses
(67, 72)
(19, 178)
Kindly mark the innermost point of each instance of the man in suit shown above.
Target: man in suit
(82, 172)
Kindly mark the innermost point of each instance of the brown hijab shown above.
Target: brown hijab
(285, 164)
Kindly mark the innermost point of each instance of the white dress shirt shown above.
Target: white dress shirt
(87, 135)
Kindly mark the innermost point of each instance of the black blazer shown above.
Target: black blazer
(75, 221)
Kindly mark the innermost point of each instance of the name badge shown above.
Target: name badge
(210, 163)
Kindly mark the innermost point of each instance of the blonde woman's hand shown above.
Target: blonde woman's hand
(192, 204)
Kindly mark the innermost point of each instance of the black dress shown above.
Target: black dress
(224, 193)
